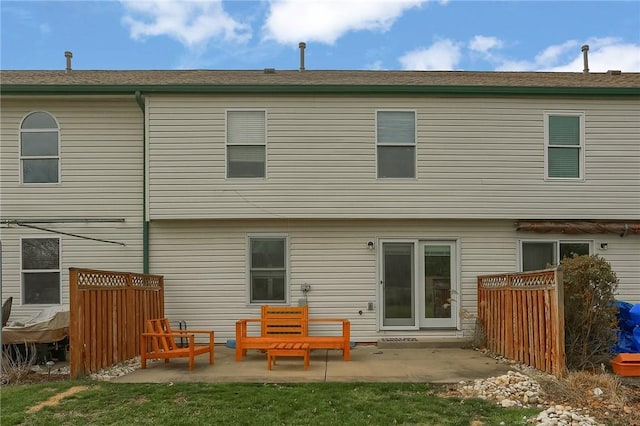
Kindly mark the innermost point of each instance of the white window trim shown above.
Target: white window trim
(557, 243)
(23, 271)
(582, 155)
(226, 143)
(39, 157)
(414, 144)
(287, 273)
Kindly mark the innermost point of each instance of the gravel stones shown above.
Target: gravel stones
(565, 416)
(117, 370)
(516, 389)
(513, 389)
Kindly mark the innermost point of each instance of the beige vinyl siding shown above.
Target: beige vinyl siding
(475, 157)
(204, 264)
(101, 177)
(623, 254)
(100, 159)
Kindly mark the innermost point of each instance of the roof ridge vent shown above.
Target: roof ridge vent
(269, 70)
(614, 72)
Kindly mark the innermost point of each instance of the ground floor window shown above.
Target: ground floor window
(40, 271)
(268, 269)
(538, 254)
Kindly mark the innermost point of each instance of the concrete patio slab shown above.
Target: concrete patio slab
(369, 363)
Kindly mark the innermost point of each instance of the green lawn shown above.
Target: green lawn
(337, 404)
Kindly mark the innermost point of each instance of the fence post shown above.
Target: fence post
(509, 319)
(130, 316)
(559, 358)
(75, 343)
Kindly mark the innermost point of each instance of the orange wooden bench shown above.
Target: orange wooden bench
(286, 324)
(159, 343)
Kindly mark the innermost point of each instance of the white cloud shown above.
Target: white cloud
(552, 54)
(514, 65)
(291, 21)
(192, 23)
(484, 44)
(604, 54)
(441, 55)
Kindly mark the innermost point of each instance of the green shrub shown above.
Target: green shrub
(589, 311)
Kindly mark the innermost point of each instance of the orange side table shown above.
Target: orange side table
(288, 349)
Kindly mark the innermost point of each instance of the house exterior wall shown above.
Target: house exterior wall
(101, 167)
(476, 157)
(204, 263)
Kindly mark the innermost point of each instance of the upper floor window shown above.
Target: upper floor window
(40, 148)
(564, 145)
(246, 144)
(537, 254)
(396, 144)
(40, 271)
(268, 269)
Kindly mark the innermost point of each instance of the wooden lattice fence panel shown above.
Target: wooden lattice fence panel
(108, 313)
(522, 317)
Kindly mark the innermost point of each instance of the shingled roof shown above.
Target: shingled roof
(260, 80)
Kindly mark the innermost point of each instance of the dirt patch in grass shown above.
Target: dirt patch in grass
(139, 400)
(55, 399)
(34, 377)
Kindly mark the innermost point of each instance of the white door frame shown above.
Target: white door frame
(418, 282)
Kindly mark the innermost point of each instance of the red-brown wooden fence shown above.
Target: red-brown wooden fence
(522, 317)
(108, 311)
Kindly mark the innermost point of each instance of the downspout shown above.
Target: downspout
(145, 222)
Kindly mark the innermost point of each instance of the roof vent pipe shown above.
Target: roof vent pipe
(302, 45)
(68, 55)
(585, 57)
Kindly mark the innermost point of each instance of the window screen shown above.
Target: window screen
(246, 144)
(268, 269)
(396, 144)
(39, 148)
(41, 270)
(564, 147)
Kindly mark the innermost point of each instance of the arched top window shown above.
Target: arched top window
(40, 148)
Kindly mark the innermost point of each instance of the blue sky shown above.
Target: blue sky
(340, 34)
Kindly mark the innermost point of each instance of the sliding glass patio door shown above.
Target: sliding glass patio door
(419, 284)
